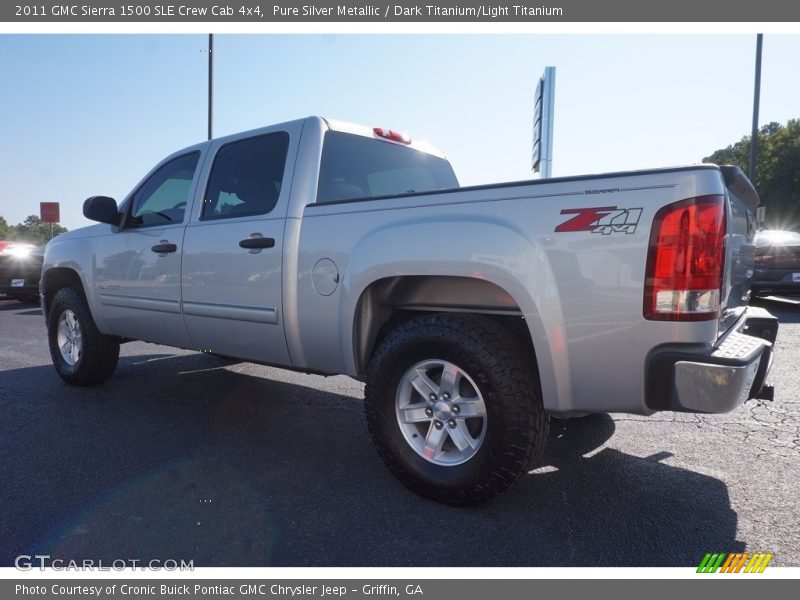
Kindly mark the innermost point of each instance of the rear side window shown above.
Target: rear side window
(356, 167)
(246, 177)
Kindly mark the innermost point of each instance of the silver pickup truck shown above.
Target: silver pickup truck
(473, 313)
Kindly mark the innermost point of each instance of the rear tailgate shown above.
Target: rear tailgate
(737, 319)
(734, 368)
(740, 245)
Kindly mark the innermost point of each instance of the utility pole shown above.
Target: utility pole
(756, 99)
(210, 82)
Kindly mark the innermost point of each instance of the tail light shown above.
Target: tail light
(685, 261)
(764, 259)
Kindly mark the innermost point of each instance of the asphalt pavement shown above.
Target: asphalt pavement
(188, 456)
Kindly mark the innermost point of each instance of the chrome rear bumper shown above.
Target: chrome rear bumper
(715, 380)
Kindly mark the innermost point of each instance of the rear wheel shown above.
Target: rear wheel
(81, 354)
(454, 407)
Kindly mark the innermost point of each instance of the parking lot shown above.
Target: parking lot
(188, 456)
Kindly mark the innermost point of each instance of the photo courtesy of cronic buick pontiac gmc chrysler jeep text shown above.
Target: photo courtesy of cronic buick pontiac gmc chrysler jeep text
(473, 314)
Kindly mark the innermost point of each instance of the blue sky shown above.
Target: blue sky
(90, 114)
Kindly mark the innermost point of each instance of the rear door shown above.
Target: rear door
(233, 247)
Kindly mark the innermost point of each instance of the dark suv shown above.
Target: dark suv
(20, 270)
(777, 263)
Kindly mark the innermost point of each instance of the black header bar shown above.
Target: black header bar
(430, 11)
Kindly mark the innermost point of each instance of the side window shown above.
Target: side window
(162, 198)
(246, 177)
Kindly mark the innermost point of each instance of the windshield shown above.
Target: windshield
(356, 167)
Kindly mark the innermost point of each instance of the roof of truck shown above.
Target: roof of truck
(331, 124)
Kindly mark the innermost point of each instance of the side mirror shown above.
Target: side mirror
(760, 216)
(102, 209)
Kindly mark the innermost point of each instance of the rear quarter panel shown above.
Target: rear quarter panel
(580, 292)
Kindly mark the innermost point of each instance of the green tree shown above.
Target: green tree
(777, 176)
(36, 231)
(6, 231)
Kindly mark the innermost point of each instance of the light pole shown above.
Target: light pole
(210, 82)
(756, 97)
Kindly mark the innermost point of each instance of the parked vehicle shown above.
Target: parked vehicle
(777, 263)
(20, 270)
(471, 313)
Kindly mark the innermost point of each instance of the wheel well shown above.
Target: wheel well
(389, 302)
(56, 279)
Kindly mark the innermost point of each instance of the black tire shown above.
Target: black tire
(516, 423)
(99, 353)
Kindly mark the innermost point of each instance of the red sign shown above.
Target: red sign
(49, 212)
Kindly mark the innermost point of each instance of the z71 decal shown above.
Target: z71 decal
(601, 219)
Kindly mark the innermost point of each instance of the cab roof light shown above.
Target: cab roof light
(392, 135)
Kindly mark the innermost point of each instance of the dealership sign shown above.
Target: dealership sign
(542, 159)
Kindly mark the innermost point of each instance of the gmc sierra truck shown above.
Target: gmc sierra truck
(473, 314)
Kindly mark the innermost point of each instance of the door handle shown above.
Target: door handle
(164, 248)
(257, 242)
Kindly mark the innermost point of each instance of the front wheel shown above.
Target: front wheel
(81, 354)
(454, 407)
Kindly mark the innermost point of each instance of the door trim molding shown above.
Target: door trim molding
(140, 303)
(254, 314)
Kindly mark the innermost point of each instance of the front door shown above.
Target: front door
(232, 252)
(138, 268)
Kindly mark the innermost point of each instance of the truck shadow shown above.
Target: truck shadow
(189, 457)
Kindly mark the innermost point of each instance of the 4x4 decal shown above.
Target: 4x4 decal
(601, 219)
